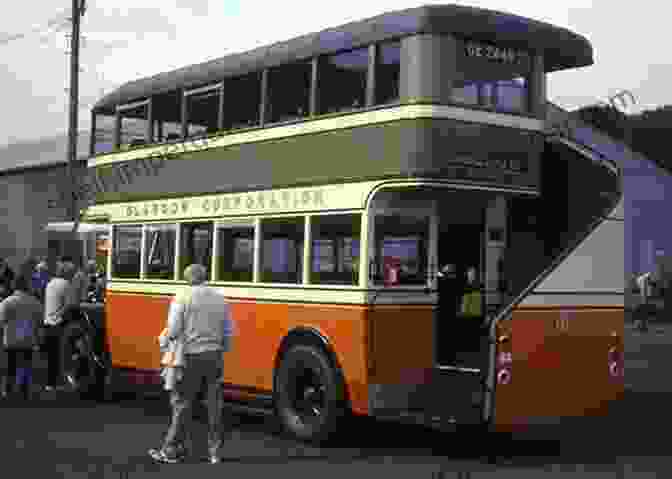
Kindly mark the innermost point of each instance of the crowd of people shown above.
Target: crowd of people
(34, 305)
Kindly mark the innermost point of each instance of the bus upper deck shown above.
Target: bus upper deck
(434, 91)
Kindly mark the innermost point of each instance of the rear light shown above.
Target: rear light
(504, 376)
(504, 361)
(615, 361)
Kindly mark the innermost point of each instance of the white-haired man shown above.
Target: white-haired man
(199, 317)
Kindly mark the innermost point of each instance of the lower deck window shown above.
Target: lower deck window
(402, 241)
(160, 251)
(126, 246)
(235, 248)
(282, 250)
(196, 245)
(335, 249)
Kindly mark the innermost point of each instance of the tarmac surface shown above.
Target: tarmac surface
(61, 436)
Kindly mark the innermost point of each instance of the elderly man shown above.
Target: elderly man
(200, 318)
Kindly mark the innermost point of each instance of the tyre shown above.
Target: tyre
(309, 394)
(78, 368)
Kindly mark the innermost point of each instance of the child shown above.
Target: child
(172, 360)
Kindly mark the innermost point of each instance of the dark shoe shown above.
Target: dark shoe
(167, 457)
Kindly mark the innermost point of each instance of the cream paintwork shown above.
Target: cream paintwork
(349, 196)
(404, 112)
(326, 294)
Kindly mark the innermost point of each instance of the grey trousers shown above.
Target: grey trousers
(202, 370)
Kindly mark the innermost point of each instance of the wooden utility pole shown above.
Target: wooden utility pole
(78, 7)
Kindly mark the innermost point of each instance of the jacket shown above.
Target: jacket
(20, 318)
(202, 316)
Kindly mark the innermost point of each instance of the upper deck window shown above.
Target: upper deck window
(289, 91)
(243, 101)
(387, 72)
(103, 133)
(167, 117)
(202, 110)
(342, 81)
(134, 120)
(492, 77)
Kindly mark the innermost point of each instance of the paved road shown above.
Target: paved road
(64, 437)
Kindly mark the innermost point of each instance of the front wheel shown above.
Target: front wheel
(77, 359)
(309, 394)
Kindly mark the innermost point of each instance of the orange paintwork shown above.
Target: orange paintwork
(554, 374)
(402, 343)
(559, 373)
(134, 321)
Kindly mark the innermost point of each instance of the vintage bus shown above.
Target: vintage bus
(341, 187)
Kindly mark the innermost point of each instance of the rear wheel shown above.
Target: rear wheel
(309, 394)
(78, 366)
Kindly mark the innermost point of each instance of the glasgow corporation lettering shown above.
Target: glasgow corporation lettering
(230, 204)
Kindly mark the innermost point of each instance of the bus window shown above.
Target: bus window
(126, 251)
(103, 133)
(335, 249)
(282, 250)
(387, 72)
(242, 101)
(402, 240)
(235, 247)
(134, 120)
(289, 91)
(342, 81)
(492, 77)
(167, 116)
(160, 249)
(196, 245)
(202, 111)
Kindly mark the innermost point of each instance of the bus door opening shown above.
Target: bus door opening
(460, 290)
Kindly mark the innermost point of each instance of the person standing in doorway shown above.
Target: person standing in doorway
(450, 295)
(200, 318)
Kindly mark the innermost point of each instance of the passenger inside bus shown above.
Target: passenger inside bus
(460, 295)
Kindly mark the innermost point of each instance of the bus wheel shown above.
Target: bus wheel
(78, 367)
(309, 393)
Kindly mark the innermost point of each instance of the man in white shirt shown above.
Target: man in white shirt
(200, 318)
(59, 298)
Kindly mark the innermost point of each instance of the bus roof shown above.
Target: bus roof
(562, 48)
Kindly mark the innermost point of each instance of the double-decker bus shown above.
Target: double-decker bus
(349, 192)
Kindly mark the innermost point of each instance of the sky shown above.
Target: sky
(125, 40)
